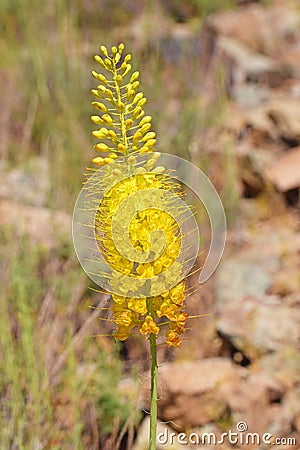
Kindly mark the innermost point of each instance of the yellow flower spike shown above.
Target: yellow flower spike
(127, 126)
(149, 326)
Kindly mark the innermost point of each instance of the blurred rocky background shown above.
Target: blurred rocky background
(223, 85)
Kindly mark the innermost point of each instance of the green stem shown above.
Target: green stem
(153, 404)
(122, 115)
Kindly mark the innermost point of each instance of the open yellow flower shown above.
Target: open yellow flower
(149, 326)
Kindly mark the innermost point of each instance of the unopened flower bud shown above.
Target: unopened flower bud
(148, 136)
(159, 169)
(101, 147)
(134, 76)
(100, 106)
(104, 50)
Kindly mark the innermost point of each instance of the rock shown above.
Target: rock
(243, 64)
(285, 172)
(241, 277)
(291, 406)
(283, 367)
(29, 186)
(297, 422)
(257, 326)
(246, 400)
(189, 391)
(40, 224)
(285, 112)
(286, 283)
(241, 23)
(216, 393)
(250, 317)
(250, 95)
(253, 166)
(291, 58)
(262, 127)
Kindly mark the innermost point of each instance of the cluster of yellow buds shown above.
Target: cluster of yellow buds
(129, 167)
(123, 126)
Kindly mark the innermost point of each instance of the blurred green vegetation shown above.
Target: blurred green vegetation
(40, 410)
(46, 60)
(45, 65)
